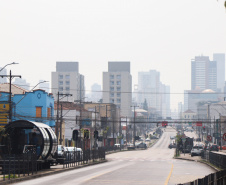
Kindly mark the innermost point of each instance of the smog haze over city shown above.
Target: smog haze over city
(157, 35)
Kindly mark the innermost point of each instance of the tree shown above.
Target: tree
(145, 105)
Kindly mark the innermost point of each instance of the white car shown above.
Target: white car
(196, 150)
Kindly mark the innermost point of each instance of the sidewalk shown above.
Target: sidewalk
(188, 157)
(53, 170)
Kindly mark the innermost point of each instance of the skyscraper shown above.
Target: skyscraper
(156, 94)
(67, 80)
(117, 86)
(220, 59)
(203, 73)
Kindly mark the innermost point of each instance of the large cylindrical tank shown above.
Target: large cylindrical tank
(21, 134)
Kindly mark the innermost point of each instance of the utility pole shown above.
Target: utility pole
(10, 92)
(57, 119)
(61, 121)
(134, 126)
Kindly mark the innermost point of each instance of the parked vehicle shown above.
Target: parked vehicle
(214, 147)
(198, 139)
(223, 147)
(172, 145)
(196, 150)
(141, 145)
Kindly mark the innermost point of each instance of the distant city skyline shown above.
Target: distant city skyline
(152, 35)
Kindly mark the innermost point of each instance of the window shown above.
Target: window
(48, 112)
(118, 95)
(38, 112)
(60, 88)
(67, 88)
(184, 116)
(111, 77)
(118, 100)
(118, 77)
(67, 76)
(112, 95)
(67, 82)
(118, 88)
(112, 100)
(111, 82)
(118, 82)
(61, 76)
(111, 88)
(61, 83)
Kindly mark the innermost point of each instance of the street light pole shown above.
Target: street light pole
(8, 65)
(134, 126)
(10, 91)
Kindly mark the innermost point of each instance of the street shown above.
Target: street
(154, 166)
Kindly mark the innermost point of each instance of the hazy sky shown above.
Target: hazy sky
(152, 34)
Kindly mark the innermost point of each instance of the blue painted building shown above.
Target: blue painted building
(37, 106)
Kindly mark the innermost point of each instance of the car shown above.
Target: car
(172, 145)
(147, 139)
(172, 137)
(117, 145)
(198, 139)
(223, 147)
(197, 150)
(60, 154)
(141, 145)
(214, 147)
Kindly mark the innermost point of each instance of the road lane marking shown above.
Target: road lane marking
(167, 180)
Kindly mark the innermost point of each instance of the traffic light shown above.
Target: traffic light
(204, 128)
(75, 135)
(96, 134)
(86, 134)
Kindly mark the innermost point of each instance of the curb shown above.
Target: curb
(203, 162)
(48, 173)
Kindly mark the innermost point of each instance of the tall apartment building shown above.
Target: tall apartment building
(3, 72)
(154, 92)
(117, 86)
(68, 80)
(96, 93)
(203, 73)
(22, 83)
(220, 59)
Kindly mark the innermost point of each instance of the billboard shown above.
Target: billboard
(4, 113)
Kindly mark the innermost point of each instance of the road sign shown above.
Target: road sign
(199, 124)
(224, 136)
(216, 134)
(209, 138)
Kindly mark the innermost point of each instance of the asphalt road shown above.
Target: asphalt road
(154, 166)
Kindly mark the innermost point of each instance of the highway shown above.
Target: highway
(154, 166)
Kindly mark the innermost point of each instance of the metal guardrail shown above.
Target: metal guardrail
(14, 166)
(76, 158)
(218, 178)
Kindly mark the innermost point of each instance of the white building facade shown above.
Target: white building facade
(68, 80)
(117, 86)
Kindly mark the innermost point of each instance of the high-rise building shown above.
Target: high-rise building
(203, 73)
(117, 86)
(22, 83)
(220, 59)
(156, 94)
(68, 80)
(3, 72)
(96, 93)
